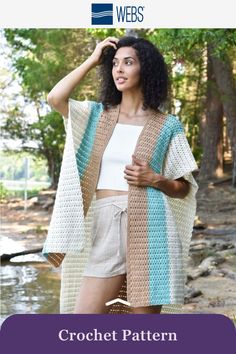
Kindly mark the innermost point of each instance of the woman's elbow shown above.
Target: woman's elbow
(59, 105)
(186, 189)
(52, 100)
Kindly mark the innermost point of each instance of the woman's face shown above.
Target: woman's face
(126, 69)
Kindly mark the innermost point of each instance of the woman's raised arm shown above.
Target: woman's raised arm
(58, 97)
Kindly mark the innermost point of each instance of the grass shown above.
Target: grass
(6, 193)
(11, 193)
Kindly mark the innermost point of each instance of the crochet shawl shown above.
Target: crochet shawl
(159, 227)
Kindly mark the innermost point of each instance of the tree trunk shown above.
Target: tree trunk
(52, 170)
(53, 174)
(212, 160)
(225, 81)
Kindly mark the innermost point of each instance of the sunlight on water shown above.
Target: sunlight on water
(29, 289)
(28, 283)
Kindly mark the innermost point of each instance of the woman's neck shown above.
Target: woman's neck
(132, 104)
(131, 110)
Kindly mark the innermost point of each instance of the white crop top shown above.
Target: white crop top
(117, 155)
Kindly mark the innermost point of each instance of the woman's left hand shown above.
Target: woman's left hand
(140, 173)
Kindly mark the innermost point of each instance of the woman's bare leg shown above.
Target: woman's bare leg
(95, 292)
(147, 309)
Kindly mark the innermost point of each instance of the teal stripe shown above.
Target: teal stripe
(45, 254)
(84, 151)
(159, 278)
(177, 126)
(159, 271)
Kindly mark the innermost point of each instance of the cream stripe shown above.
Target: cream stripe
(176, 284)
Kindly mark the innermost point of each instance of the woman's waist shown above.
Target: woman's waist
(110, 196)
(104, 193)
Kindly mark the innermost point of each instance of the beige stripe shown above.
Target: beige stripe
(137, 247)
(137, 241)
(55, 258)
(104, 132)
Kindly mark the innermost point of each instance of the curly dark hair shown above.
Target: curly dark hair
(153, 74)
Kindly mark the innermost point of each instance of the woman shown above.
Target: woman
(127, 172)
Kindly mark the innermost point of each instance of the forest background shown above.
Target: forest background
(202, 69)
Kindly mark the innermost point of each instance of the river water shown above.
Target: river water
(29, 285)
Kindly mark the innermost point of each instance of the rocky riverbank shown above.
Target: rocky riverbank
(211, 284)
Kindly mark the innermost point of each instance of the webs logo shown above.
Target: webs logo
(102, 14)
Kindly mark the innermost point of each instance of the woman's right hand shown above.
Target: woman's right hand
(97, 53)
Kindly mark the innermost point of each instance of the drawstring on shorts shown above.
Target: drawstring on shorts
(117, 216)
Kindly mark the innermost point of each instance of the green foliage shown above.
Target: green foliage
(16, 193)
(198, 152)
(40, 58)
(102, 33)
(39, 230)
(3, 192)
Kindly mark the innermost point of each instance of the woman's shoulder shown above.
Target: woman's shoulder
(174, 123)
(84, 102)
(85, 105)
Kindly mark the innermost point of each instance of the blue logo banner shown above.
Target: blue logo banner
(102, 14)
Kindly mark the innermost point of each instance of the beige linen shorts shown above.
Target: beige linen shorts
(107, 257)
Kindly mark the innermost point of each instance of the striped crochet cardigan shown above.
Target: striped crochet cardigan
(159, 227)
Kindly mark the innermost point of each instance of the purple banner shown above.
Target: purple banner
(113, 334)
